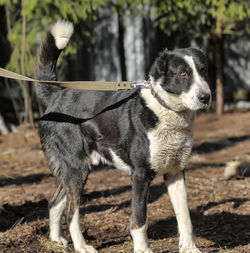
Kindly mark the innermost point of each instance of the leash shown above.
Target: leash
(81, 85)
(87, 85)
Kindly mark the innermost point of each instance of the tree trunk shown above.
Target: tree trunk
(219, 69)
(7, 13)
(14, 103)
(121, 45)
(26, 93)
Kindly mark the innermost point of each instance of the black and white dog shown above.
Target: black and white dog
(148, 133)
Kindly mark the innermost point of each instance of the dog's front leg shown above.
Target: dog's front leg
(178, 196)
(138, 223)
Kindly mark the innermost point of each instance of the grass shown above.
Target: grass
(48, 246)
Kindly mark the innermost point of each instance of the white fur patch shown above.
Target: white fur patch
(178, 196)
(76, 233)
(119, 163)
(96, 158)
(55, 215)
(171, 140)
(62, 32)
(190, 99)
(77, 237)
(140, 239)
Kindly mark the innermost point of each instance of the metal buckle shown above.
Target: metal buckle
(143, 84)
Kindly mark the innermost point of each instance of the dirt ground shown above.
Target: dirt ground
(220, 208)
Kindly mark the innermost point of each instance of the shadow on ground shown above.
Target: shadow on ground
(30, 179)
(10, 215)
(226, 230)
(208, 147)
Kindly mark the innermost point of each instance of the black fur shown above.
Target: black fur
(77, 123)
(46, 70)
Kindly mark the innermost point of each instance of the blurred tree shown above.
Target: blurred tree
(26, 22)
(213, 18)
(124, 8)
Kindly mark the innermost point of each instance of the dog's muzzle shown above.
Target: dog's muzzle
(204, 98)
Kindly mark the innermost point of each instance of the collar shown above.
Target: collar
(160, 100)
(147, 85)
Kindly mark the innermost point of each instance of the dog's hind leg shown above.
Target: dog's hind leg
(138, 223)
(178, 196)
(56, 208)
(73, 187)
(65, 148)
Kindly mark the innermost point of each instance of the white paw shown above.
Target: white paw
(90, 249)
(148, 250)
(60, 240)
(86, 249)
(189, 249)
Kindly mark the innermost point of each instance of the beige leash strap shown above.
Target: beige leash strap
(81, 85)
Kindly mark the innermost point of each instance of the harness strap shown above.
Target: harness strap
(61, 117)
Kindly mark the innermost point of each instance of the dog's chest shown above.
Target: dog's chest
(171, 143)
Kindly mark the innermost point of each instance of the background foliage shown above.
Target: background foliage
(39, 16)
(26, 21)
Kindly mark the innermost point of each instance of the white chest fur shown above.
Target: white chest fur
(171, 141)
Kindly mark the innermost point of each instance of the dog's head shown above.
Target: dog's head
(179, 78)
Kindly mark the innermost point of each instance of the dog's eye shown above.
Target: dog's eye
(183, 73)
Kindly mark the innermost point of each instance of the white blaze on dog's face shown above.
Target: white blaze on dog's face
(179, 78)
(199, 94)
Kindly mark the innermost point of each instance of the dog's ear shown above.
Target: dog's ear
(197, 50)
(199, 53)
(160, 65)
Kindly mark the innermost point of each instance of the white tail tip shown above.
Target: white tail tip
(62, 31)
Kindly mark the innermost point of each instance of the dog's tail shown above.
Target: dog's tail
(56, 40)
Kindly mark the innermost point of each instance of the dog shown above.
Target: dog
(148, 133)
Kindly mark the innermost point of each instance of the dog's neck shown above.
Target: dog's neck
(173, 119)
(160, 100)
(167, 100)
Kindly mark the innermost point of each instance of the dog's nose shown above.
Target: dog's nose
(204, 98)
